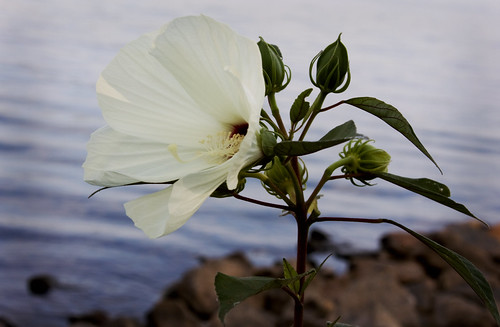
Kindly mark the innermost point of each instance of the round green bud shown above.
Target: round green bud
(332, 68)
(364, 159)
(276, 76)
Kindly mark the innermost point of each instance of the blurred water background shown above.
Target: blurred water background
(437, 61)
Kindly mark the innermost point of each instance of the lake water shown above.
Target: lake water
(435, 61)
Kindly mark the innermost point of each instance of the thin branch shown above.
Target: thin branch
(353, 220)
(262, 203)
(332, 106)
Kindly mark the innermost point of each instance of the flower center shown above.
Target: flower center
(221, 147)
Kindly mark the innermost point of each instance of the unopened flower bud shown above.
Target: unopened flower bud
(364, 158)
(280, 177)
(332, 68)
(275, 71)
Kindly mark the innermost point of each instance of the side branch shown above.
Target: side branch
(262, 203)
(353, 220)
(332, 106)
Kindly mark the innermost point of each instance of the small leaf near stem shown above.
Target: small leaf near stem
(289, 273)
(298, 111)
(232, 290)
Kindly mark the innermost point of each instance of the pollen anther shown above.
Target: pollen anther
(221, 147)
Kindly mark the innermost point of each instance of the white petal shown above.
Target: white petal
(139, 97)
(191, 191)
(117, 159)
(150, 213)
(163, 212)
(205, 56)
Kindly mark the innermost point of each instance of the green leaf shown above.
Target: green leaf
(313, 274)
(338, 135)
(464, 267)
(429, 188)
(391, 116)
(300, 107)
(290, 273)
(232, 290)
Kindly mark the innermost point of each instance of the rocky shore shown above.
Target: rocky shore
(404, 284)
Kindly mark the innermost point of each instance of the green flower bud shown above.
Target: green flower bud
(280, 177)
(275, 71)
(332, 68)
(364, 159)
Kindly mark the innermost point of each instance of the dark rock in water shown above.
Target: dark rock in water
(170, 312)
(452, 310)
(319, 242)
(41, 284)
(6, 323)
(101, 319)
(96, 318)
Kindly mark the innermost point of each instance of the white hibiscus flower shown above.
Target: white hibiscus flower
(182, 104)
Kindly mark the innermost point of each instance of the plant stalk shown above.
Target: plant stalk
(302, 235)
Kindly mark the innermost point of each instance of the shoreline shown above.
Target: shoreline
(401, 284)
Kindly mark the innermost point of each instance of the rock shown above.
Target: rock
(246, 315)
(171, 312)
(318, 241)
(378, 316)
(95, 318)
(405, 284)
(379, 290)
(402, 246)
(452, 311)
(101, 319)
(471, 240)
(409, 272)
(40, 285)
(197, 286)
(424, 293)
(123, 322)
(4, 322)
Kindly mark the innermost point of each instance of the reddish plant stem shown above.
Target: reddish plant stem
(262, 203)
(353, 220)
(332, 106)
(302, 234)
